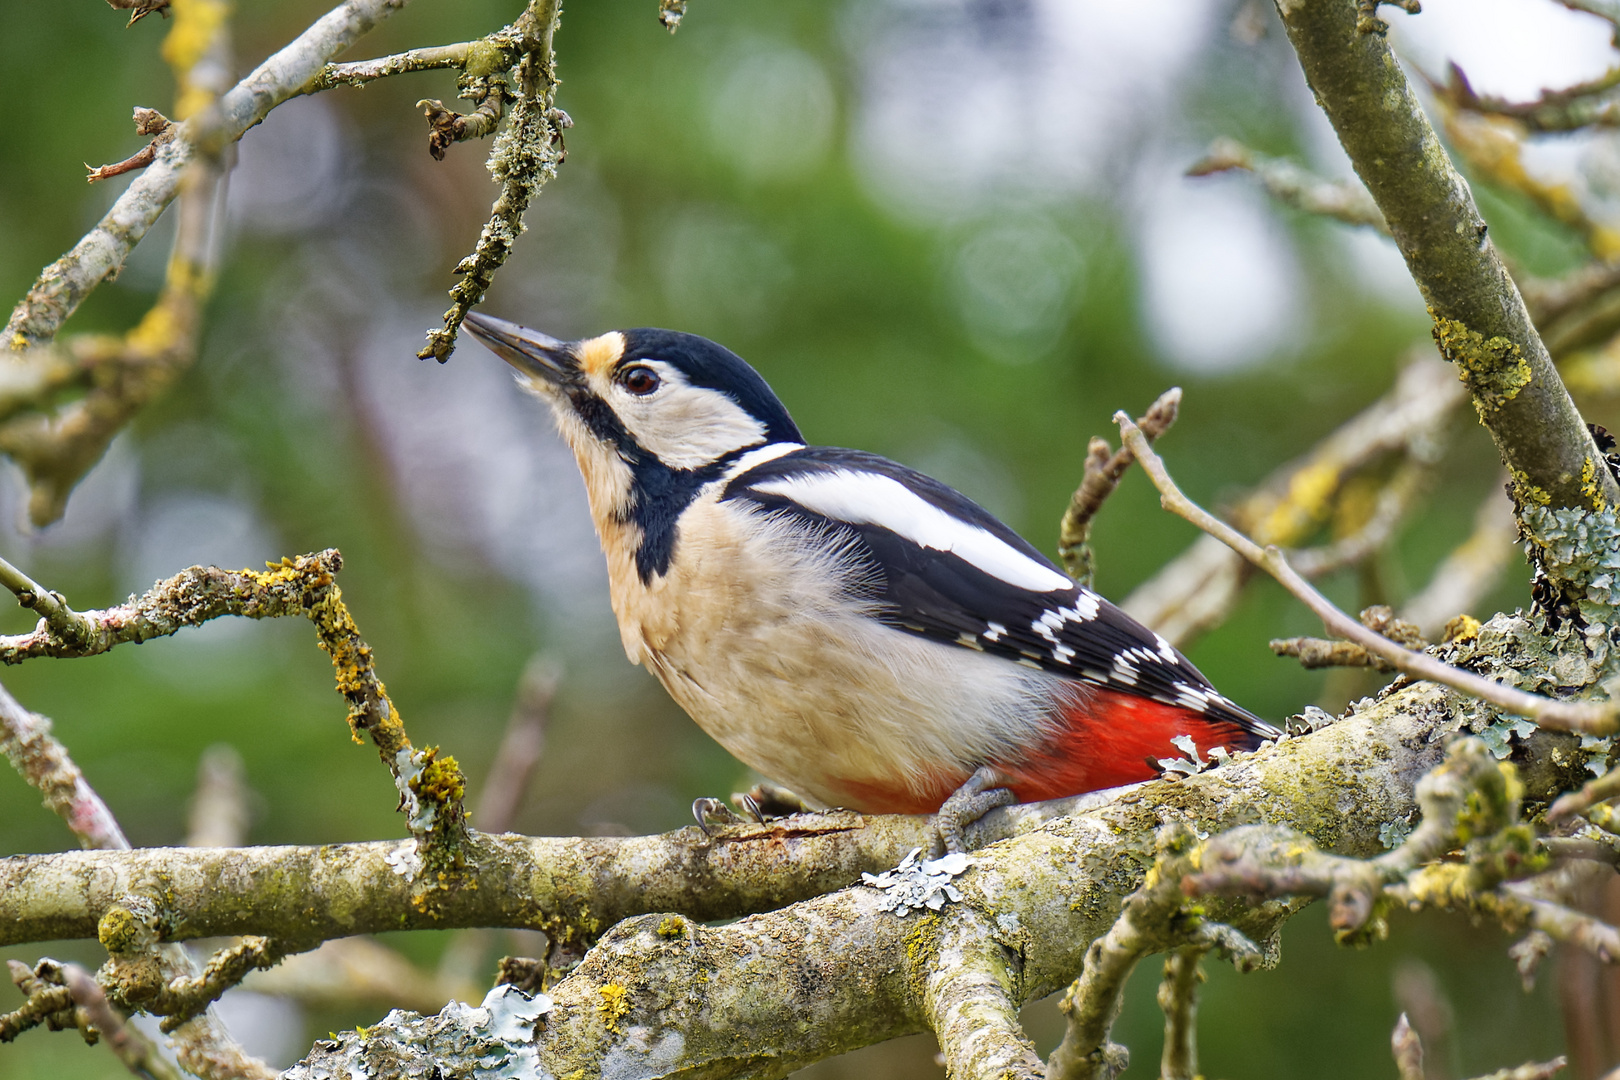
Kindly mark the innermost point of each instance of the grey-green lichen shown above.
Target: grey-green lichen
(493, 1041)
(1580, 548)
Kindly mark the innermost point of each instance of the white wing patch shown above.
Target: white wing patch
(862, 498)
(760, 457)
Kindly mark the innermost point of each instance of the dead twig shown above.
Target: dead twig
(140, 9)
(1103, 469)
(147, 122)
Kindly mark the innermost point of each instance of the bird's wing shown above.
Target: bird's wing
(941, 566)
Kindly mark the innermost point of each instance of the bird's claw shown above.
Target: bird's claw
(710, 812)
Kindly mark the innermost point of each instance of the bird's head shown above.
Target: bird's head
(650, 414)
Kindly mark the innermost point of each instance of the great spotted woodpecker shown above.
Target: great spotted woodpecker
(846, 625)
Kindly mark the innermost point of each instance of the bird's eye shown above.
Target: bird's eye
(639, 380)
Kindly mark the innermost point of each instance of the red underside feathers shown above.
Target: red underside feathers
(1112, 738)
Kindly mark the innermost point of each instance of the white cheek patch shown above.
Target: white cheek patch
(861, 498)
(684, 426)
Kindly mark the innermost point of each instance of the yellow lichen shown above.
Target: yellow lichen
(1461, 628)
(673, 926)
(196, 24)
(118, 930)
(441, 780)
(614, 1006)
(485, 58)
(1494, 369)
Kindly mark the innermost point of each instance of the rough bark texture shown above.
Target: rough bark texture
(662, 996)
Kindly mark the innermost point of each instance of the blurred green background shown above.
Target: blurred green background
(954, 232)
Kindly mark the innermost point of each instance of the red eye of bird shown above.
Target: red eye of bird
(639, 380)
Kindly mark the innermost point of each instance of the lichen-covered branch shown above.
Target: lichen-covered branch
(572, 888)
(1472, 802)
(1151, 920)
(775, 991)
(142, 983)
(1592, 717)
(1480, 320)
(526, 154)
(1324, 652)
(1178, 1000)
(138, 1054)
(430, 787)
(190, 598)
(203, 1045)
(1103, 469)
(361, 72)
(1294, 186)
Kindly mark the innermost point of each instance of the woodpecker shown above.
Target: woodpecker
(847, 626)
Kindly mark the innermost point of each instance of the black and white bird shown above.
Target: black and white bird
(847, 626)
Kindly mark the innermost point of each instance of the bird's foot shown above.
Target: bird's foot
(981, 794)
(766, 800)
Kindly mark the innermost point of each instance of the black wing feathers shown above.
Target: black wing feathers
(943, 596)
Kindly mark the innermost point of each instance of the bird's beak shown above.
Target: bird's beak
(530, 351)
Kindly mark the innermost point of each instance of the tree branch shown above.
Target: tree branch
(525, 156)
(1480, 321)
(60, 288)
(1197, 590)
(782, 989)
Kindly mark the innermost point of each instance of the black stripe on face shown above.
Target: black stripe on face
(659, 496)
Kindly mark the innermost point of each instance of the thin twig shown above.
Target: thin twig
(1346, 200)
(65, 625)
(26, 739)
(1586, 104)
(360, 72)
(147, 122)
(1588, 717)
(526, 154)
(1198, 589)
(138, 1053)
(1178, 999)
(1408, 1050)
(1103, 469)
